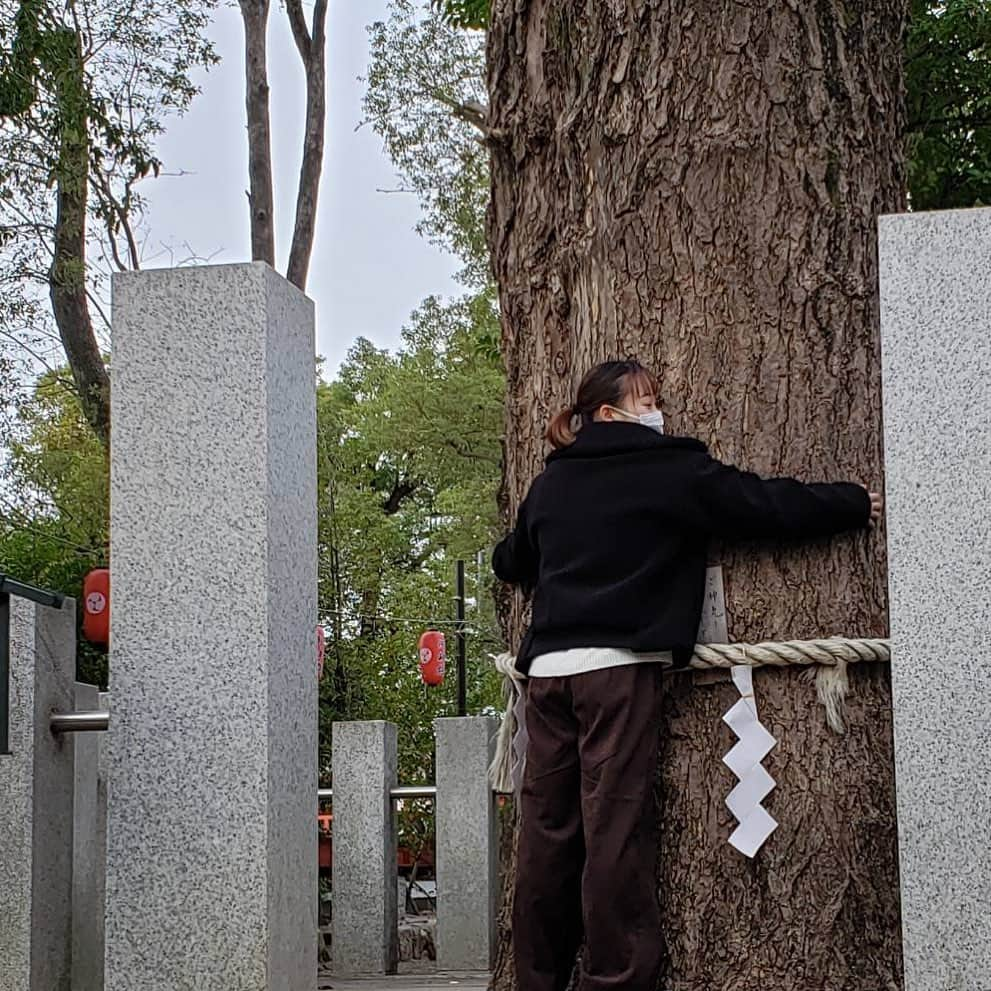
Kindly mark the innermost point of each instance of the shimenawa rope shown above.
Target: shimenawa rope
(832, 655)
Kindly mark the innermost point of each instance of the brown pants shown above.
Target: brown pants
(586, 867)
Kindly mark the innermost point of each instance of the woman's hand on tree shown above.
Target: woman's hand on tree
(877, 505)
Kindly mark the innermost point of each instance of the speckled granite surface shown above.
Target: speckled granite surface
(36, 802)
(936, 341)
(211, 875)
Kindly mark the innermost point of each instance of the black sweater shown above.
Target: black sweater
(613, 535)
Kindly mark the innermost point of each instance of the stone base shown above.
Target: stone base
(417, 941)
(417, 938)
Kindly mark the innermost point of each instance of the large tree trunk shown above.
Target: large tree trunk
(254, 14)
(698, 185)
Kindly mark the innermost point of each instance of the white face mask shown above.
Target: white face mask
(654, 419)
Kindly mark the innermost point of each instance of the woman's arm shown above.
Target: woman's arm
(740, 504)
(515, 559)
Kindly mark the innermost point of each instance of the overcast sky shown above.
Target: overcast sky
(369, 269)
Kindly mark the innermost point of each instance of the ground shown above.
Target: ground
(412, 979)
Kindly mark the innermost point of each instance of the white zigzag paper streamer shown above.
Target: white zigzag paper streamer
(744, 760)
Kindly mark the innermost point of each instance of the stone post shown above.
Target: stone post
(935, 271)
(366, 921)
(212, 833)
(36, 802)
(467, 847)
(89, 854)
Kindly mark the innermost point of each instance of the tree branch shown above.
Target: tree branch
(110, 213)
(401, 491)
(471, 112)
(312, 52)
(300, 32)
(469, 455)
(67, 278)
(254, 13)
(37, 356)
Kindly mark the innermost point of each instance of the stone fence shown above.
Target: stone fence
(54, 813)
(365, 925)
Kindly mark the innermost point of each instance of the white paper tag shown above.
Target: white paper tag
(712, 628)
(743, 678)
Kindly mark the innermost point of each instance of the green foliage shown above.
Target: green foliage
(137, 56)
(60, 468)
(948, 79)
(54, 501)
(84, 81)
(472, 14)
(409, 463)
(422, 73)
(18, 70)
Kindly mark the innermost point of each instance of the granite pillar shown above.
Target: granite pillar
(467, 847)
(89, 854)
(935, 271)
(365, 935)
(36, 802)
(212, 836)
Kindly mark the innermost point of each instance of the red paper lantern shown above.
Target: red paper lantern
(96, 606)
(433, 657)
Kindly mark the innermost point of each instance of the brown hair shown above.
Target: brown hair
(607, 384)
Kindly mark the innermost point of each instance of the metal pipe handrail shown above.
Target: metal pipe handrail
(398, 793)
(9, 586)
(414, 791)
(80, 722)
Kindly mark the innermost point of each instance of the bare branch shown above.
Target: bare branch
(38, 357)
(313, 55)
(320, 22)
(261, 198)
(300, 32)
(98, 306)
(471, 112)
(102, 189)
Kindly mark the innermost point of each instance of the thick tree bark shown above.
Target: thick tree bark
(698, 185)
(311, 46)
(254, 13)
(67, 277)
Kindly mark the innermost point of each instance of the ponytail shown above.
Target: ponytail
(559, 431)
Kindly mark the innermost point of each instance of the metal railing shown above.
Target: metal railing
(80, 722)
(398, 793)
